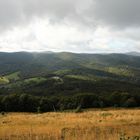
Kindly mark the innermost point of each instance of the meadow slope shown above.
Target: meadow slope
(92, 124)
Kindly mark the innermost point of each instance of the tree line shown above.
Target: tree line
(30, 103)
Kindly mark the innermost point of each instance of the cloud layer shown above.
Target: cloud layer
(75, 25)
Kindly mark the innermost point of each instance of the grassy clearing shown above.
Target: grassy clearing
(13, 76)
(4, 80)
(34, 80)
(120, 71)
(89, 125)
(81, 77)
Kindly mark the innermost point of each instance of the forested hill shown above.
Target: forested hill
(121, 67)
(55, 81)
(68, 73)
(22, 61)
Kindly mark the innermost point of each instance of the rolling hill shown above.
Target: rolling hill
(68, 73)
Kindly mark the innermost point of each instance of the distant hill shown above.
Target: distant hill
(11, 62)
(134, 53)
(60, 73)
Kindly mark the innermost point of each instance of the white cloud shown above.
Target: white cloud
(77, 25)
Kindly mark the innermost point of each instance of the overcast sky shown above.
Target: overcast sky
(89, 26)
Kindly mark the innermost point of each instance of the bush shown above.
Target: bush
(131, 102)
(2, 113)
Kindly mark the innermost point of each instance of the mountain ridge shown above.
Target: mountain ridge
(32, 72)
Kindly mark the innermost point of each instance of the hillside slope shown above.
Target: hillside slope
(68, 73)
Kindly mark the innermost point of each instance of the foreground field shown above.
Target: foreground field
(107, 124)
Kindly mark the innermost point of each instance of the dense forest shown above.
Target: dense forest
(40, 82)
(29, 103)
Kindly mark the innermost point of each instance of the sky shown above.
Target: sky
(81, 26)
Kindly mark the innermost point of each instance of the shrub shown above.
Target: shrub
(2, 113)
(131, 102)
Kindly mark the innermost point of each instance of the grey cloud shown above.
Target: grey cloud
(14, 12)
(118, 13)
(9, 13)
(114, 13)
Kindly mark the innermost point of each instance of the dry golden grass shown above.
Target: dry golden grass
(92, 124)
